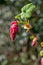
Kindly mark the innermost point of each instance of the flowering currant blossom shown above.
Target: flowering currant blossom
(41, 61)
(34, 41)
(13, 29)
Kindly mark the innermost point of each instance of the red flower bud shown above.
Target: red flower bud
(34, 41)
(13, 29)
(41, 61)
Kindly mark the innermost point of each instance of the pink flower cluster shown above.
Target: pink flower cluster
(13, 29)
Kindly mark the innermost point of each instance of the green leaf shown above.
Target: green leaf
(18, 16)
(27, 11)
(25, 15)
(26, 7)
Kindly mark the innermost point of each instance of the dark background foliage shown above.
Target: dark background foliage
(20, 51)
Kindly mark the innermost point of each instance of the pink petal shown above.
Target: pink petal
(41, 61)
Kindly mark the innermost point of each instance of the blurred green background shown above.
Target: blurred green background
(20, 51)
